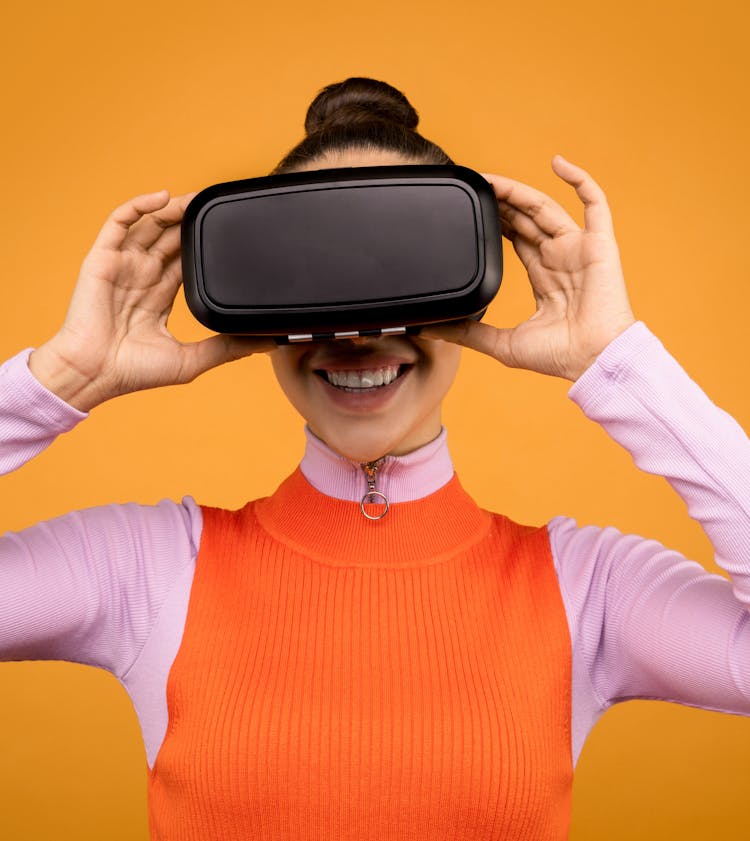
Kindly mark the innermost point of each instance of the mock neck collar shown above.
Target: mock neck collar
(400, 478)
(421, 532)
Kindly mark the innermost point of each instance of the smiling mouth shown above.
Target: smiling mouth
(367, 379)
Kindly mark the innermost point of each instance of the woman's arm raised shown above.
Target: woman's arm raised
(646, 622)
(88, 586)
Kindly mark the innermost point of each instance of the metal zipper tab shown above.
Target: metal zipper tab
(372, 495)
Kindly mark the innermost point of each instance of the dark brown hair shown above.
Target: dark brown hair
(361, 113)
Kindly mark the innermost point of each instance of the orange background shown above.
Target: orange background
(105, 101)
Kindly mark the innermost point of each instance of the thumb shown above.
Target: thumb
(201, 356)
(492, 341)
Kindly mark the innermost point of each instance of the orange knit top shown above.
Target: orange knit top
(347, 679)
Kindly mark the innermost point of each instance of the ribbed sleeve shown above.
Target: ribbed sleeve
(31, 416)
(648, 622)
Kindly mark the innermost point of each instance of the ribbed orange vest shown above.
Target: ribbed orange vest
(344, 679)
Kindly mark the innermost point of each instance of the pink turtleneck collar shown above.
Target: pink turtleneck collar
(400, 478)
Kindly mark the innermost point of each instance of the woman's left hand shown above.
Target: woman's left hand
(575, 274)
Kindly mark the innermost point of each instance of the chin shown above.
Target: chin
(363, 442)
(362, 449)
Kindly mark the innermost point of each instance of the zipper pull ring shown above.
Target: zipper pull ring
(371, 470)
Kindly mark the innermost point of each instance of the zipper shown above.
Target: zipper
(372, 495)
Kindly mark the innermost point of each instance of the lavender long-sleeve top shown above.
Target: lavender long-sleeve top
(109, 586)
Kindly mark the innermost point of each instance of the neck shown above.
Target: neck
(400, 478)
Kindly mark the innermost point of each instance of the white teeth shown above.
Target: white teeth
(363, 379)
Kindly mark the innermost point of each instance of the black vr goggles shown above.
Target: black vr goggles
(337, 253)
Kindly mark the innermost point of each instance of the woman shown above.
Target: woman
(302, 671)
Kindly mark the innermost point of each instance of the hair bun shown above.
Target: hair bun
(359, 114)
(358, 100)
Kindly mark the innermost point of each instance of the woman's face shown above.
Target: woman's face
(368, 397)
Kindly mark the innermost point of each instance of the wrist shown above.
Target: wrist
(60, 376)
(587, 359)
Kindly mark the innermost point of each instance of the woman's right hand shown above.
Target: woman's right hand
(115, 339)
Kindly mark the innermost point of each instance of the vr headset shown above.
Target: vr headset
(339, 253)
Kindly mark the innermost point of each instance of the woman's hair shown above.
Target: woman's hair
(361, 113)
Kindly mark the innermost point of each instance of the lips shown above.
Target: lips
(361, 377)
(363, 398)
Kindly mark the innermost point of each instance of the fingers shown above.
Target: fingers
(546, 213)
(172, 274)
(515, 222)
(150, 229)
(146, 222)
(168, 244)
(115, 229)
(596, 214)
